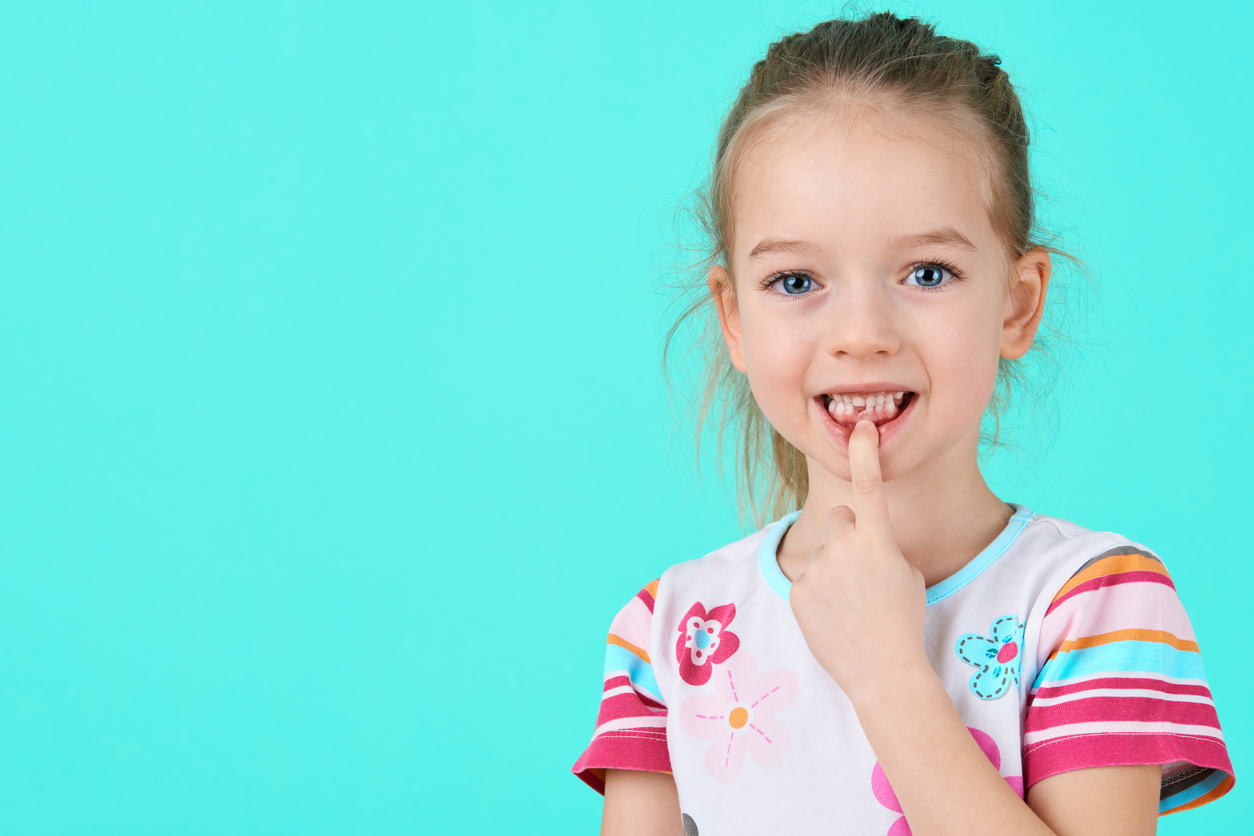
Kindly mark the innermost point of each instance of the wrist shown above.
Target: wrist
(897, 685)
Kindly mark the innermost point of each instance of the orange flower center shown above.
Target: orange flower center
(738, 717)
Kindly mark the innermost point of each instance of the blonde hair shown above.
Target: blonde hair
(877, 61)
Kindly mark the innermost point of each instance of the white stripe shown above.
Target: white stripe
(639, 689)
(1053, 683)
(1122, 692)
(1128, 726)
(621, 689)
(631, 723)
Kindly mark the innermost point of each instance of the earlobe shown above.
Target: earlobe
(725, 302)
(1025, 303)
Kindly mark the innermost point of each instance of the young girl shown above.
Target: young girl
(907, 653)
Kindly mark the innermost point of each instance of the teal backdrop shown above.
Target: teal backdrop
(332, 430)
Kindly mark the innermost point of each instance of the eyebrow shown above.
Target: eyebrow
(943, 237)
(772, 245)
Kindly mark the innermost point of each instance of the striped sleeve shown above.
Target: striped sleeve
(1123, 684)
(631, 726)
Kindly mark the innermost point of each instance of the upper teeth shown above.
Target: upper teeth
(852, 403)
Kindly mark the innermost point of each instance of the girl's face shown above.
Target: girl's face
(865, 265)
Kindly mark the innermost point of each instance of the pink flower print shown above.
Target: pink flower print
(704, 641)
(739, 717)
(885, 795)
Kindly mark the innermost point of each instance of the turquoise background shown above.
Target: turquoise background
(332, 432)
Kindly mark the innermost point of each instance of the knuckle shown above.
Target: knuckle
(840, 513)
(865, 485)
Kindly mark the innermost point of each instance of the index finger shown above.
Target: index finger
(870, 505)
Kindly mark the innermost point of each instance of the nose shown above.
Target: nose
(862, 324)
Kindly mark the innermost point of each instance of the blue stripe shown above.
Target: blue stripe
(1125, 657)
(767, 560)
(1193, 793)
(778, 581)
(986, 558)
(638, 670)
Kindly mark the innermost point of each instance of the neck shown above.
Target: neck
(943, 514)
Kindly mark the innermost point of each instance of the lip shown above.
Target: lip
(872, 386)
(840, 434)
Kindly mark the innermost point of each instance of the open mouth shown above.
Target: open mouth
(849, 408)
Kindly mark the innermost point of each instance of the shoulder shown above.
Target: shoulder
(1051, 553)
(1085, 560)
(725, 564)
(1066, 542)
(1116, 597)
(1078, 583)
(1115, 613)
(730, 563)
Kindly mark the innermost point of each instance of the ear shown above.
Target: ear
(1025, 302)
(724, 295)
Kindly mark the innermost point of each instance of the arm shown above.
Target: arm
(640, 804)
(860, 606)
(628, 759)
(1107, 799)
(945, 784)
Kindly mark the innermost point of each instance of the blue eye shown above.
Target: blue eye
(794, 284)
(931, 275)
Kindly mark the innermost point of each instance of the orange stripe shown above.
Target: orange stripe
(1113, 565)
(652, 589)
(1224, 786)
(613, 639)
(1126, 635)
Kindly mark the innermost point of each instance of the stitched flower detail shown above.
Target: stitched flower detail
(704, 641)
(884, 792)
(738, 717)
(996, 656)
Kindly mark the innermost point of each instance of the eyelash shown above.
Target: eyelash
(944, 265)
(778, 277)
(935, 262)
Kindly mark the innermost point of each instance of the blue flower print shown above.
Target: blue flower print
(996, 656)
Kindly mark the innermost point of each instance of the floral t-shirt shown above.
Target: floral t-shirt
(1062, 649)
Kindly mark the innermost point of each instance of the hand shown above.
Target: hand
(860, 604)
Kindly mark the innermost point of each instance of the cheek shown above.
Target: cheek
(776, 369)
(971, 363)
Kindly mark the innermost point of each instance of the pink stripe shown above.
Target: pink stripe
(622, 750)
(616, 682)
(1120, 709)
(622, 706)
(632, 624)
(1121, 607)
(1051, 757)
(644, 595)
(1111, 580)
(1140, 683)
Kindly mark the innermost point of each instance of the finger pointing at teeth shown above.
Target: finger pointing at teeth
(861, 605)
(870, 505)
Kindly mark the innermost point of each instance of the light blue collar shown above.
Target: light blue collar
(779, 582)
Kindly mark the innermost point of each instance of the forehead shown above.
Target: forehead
(850, 181)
